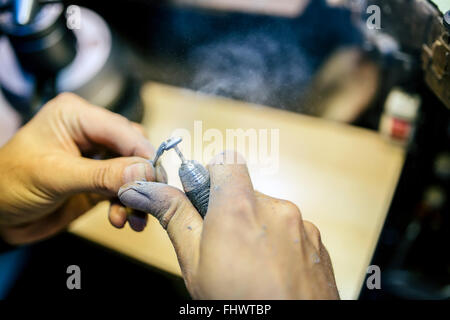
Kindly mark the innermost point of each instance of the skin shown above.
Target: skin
(249, 246)
(46, 182)
(253, 247)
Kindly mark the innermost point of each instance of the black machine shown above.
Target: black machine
(50, 48)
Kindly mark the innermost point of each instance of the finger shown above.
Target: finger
(230, 180)
(326, 260)
(137, 220)
(175, 213)
(120, 135)
(117, 214)
(88, 175)
(92, 124)
(313, 236)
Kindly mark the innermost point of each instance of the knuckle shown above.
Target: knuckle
(69, 100)
(101, 181)
(62, 101)
(65, 96)
(119, 118)
(291, 212)
(290, 206)
(50, 107)
(312, 231)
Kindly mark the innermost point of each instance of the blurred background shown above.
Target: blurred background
(328, 59)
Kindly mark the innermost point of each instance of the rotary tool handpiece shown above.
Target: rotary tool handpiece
(195, 180)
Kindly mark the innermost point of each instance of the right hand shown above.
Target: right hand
(249, 246)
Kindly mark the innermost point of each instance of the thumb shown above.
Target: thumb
(175, 213)
(98, 176)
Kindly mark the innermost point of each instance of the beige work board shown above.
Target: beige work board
(341, 177)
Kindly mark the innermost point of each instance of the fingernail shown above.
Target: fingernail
(137, 221)
(133, 198)
(151, 197)
(137, 172)
(122, 211)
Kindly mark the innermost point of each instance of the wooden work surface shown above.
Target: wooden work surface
(341, 177)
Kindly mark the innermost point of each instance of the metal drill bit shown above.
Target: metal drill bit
(194, 177)
(167, 145)
(177, 150)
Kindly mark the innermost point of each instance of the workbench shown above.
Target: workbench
(341, 177)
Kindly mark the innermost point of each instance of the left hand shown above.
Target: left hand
(45, 182)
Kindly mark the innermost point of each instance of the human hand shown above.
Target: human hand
(249, 246)
(45, 182)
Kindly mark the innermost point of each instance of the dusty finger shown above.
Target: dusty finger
(230, 180)
(175, 213)
(137, 220)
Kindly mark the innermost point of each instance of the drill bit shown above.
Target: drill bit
(166, 145)
(194, 177)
